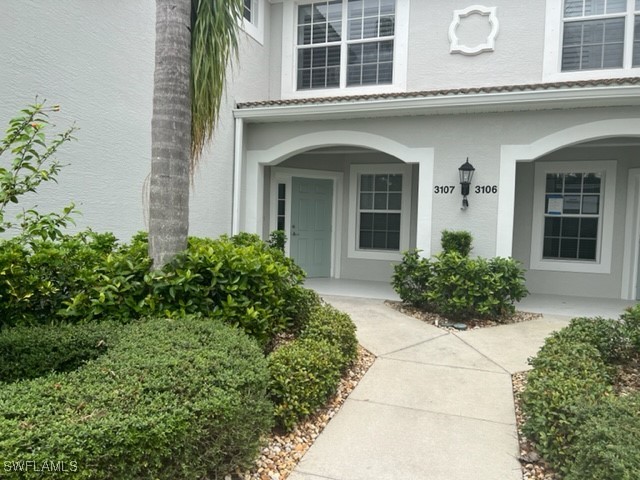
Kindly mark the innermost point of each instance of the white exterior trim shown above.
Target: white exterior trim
(405, 215)
(551, 65)
(400, 56)
(605, 229)
(284, 175)
(632, 232)
(510, 154)
(255, 28)
(489, 45)
(237, 175)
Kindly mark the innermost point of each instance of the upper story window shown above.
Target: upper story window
(345, 43)
(250, 10)
(358, 46)
(254, 19)
(594, 34)
(591, 35)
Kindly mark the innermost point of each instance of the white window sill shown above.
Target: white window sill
(375, 255)
(575, 266)
(591, 74)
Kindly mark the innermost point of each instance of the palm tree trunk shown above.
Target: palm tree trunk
(170, 132)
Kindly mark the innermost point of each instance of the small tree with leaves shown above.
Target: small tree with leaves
(26, 161)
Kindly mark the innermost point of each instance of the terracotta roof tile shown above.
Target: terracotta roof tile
(446, 92)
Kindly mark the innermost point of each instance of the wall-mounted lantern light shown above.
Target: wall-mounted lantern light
(466, 174)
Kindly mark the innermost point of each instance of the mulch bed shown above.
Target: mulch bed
(471, 323)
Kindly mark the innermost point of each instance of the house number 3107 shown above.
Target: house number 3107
(486, 189)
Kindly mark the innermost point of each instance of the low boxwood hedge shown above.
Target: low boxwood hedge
(606, 444)
(172, 399)
(306, 371)
(336, 327)
(572, 414)
(30, 352)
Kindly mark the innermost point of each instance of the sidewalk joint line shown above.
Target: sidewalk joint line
(414, 345)
(494, 422)
(313, 474)
(445, 366)
(485, 356)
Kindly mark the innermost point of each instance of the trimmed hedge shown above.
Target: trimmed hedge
(30, 352)
(568, 376)
(456, 241)
(572, 415)
(172, 399)
(607, 443)
(458, 286)
(329, 324)
(305, 372)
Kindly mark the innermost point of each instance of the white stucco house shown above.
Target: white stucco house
(345, 123)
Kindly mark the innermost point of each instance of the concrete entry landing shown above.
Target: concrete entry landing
(564, 305)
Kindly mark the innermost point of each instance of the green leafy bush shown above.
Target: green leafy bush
(606, 335)
(329, 324)
(37, 279)
(172, 399)
(606, 443)
(459, 286)
(631, 326)
(240, 279)
(412, 277)
(456, 241)
(30, 352)
(304, 374)
(568, 376)
(305, 301)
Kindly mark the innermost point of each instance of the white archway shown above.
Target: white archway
(252, 205)
(511, 154)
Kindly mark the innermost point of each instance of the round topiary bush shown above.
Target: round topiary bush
(172, 399)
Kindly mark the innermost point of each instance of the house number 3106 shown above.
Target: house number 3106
(486, 189)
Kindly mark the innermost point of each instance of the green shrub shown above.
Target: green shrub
(30, 352)
(606, 335)
(568, 376)
(631, 326)
(304, 374)
(172, 399)
(277, 240)
(607, 444)
(458, 286)
(335, 327)
(411, 278)
(456, 241)
(240, 280)
(304, 302)
(36, 279)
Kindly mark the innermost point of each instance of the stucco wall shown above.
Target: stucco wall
(95, 59)
(517, 57)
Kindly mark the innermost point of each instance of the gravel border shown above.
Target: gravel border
(283, 451)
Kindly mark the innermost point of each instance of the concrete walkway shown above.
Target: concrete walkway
(434, 406)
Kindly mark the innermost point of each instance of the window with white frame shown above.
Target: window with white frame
(379, 211)
(600, 34)
(345, 43)
(572, 215)
(573, 211)
(251, 10)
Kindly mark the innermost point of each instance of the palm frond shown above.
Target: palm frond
(214, 39)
